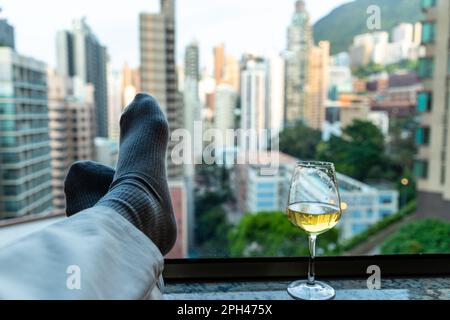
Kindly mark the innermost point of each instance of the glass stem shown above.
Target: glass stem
(312, 258)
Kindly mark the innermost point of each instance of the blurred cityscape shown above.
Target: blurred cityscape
(376, 105)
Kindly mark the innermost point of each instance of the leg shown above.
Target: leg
(113, 243)
(115, 260)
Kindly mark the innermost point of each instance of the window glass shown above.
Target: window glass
(265, 85)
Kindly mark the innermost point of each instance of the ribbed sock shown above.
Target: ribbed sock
(140, 192)
(86, 183)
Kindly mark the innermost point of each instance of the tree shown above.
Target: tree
(373, 68)
(270, 234)
(300, 141)
(359, 153)
(369, 69)
(402, 147)
(425, 236)
(212, 231)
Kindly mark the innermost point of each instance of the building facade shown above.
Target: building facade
(25, 168)
(7, 38)
(158, 69)
(226, 99)
(254, 103)
(306, 75)
(432, 165)
(81, 55)
(71, 127)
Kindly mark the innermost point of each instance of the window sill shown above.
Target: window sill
(391, 289)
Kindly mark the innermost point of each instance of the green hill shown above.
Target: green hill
(343, 23)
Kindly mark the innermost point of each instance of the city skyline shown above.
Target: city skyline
(122, 42)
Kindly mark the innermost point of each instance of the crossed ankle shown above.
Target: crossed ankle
(133, 199)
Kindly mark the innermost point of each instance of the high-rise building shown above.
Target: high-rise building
(106, 151)
(340, 77)
(72, 128)
(115, 106)
(193, 117)
(131, 84)
(158, 69)
(232, 72)
(226, 103)
(80, 54)
(318, 82)
(254, 104)
(226, 68)
(192, 102)
(6, 34)
(432, 166)
(275, 87)
(207, 87)
(219, 63)
(25, 169)
(159, 78)
(404, 32)
(192, 61)
(369, 47)
(305, 65)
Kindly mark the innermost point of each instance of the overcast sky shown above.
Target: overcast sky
(243, 25)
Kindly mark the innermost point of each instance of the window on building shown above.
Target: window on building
(428, 32)
(358, 228)
(423, 136)
(421, 169)
(424, 101)
(386, 199)
(426, 68)
(428, 4)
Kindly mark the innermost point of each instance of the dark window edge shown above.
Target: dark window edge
(329, 267)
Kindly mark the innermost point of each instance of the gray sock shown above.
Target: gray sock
(140, 192)
(86, 183)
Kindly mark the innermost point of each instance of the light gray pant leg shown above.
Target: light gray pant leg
(97, 251)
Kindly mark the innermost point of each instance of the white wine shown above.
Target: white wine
(314, 218)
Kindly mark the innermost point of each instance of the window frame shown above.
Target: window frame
(188, 270)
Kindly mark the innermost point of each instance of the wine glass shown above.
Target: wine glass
(314, 206)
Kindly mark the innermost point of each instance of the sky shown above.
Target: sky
(257, 26)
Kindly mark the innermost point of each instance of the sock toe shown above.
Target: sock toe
(86, 183)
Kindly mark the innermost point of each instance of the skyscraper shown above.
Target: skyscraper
(226, 103)
(191, 86)
(115, 106)
(25, 171)
(276, 87)
(6, 34)
(219, 63)
(232, 72)
(226, 68)
(254, 103)
(300, 42)
(318, 82)
(131, 84)
(305, 65)
(432, 165)
(158, 69)
(72, 128)
(192, 61)
(159, 78)
(80, 54)
(192, 117)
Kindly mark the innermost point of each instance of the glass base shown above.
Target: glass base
(301, 290)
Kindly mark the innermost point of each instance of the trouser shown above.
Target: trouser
(96, 254)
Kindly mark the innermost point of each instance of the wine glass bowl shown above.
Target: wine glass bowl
(314, 206)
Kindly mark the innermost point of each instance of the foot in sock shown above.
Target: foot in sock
(140, 192)
(86, 183)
